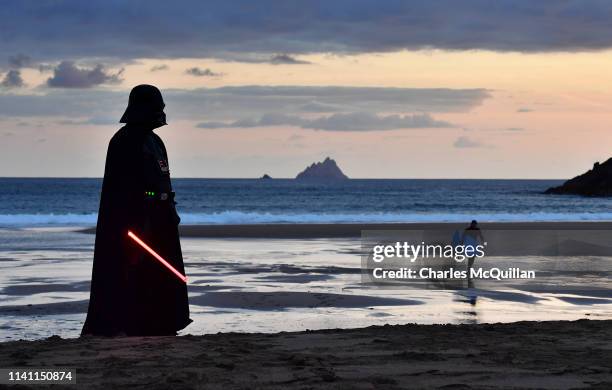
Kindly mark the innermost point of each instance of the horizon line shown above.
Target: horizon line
(293, 178)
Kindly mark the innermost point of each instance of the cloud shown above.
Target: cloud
(12, 79)
(70, 103)
(157, 68)
(95, 121)
(209, 29)
(19, 61)
(198, 72)
(45, 67)
(524, 109)
(68, 75)
(228, 104)
(515, 129)
(233, 103)
(285, 59)
(318, 107)
(370, 122)
(255, 57)
(356, 121)
(265, 120)
(467, 142)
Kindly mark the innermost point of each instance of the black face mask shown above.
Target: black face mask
(145, 107)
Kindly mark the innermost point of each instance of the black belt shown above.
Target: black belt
(156, 195)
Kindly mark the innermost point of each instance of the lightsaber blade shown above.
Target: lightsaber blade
(158, 257)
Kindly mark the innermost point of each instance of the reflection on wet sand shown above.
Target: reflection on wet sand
(260, 285)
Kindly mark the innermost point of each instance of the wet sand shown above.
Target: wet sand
(274, 285)
(518, 355)
(353, 230)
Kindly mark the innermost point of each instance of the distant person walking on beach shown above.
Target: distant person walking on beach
(472, 236)
(131, 292)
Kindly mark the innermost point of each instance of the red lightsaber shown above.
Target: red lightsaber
(158, 257)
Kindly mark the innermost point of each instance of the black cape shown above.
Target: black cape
(131, 292)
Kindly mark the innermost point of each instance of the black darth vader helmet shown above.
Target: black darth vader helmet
(145, 106)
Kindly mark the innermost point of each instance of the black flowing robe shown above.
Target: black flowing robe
(131, 292)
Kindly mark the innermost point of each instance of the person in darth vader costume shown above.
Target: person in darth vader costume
(131, 292)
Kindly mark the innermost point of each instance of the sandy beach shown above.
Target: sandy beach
(288, 277)
(282, 306)
(353, 230)
(552, 355)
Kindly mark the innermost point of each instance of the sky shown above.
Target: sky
(389, 89)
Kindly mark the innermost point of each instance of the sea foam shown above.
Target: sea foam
(239, 217)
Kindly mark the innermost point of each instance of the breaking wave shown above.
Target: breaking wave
(239, 217)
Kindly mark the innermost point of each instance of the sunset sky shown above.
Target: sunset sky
(390, 89)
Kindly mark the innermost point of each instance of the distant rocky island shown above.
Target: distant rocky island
(325, 170)
(595, 182)
(265, 177)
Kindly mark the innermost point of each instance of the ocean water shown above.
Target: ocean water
(74, 202)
